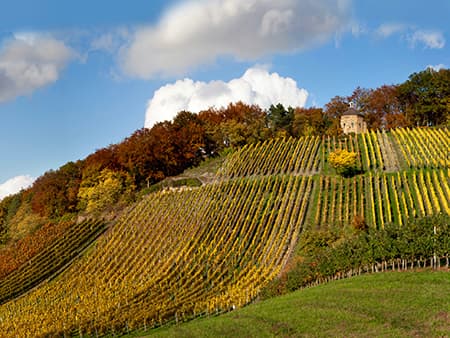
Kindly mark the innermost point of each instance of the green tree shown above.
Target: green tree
(280, 119)
(425, 97)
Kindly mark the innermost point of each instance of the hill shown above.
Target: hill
(395, 304)
(182, 253)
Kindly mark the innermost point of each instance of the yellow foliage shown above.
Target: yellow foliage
(343, 161)
(105, 190)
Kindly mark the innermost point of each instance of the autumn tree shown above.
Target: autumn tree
(189, 136)
(234, 126)
(384, 108)
(337, 106)
(8, 208)
(55, 192)
(333, 110)
(105, 158)
(310, 121)
(103, 190)
(214, 135)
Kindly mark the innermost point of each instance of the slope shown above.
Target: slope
(395, 304)
(194, 251)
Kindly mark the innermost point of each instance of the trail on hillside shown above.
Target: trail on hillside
(390, 156)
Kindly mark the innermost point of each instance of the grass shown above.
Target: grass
(394, 304)
(206, 169)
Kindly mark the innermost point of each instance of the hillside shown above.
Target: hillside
(406, 304)
(182, 253)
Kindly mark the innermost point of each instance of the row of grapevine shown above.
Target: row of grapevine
(380, 150)
(348, 142)
(50, 259)
(381, 198)
(174, 256)
(275, 156)
(338, 201)
(18, 253)
(424, 147)
(377, 151)
(370, 151)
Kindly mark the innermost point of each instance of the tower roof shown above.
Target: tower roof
(352, 111)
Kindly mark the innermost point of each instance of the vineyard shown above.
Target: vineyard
(50, 259)
(183, 253)
(174, 256)
(272, 157)
(381, 198)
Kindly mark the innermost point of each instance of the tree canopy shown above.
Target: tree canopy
(425, 97)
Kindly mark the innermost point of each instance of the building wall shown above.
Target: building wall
(353, 124)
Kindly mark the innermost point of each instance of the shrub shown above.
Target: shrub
(359, 223)
(343, 161)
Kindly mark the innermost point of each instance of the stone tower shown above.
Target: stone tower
(352, 121)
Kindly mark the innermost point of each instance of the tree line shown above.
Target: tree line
(117, 172)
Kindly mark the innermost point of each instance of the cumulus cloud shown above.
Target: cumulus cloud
(430, 39)
(199, 31)
(256, 86)
(14, 185)
(29, 62)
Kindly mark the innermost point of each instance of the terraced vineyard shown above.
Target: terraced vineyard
(183, 253)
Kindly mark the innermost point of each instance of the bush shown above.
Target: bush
(359, 223)
(343, 161)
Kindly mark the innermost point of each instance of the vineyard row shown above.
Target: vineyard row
(175, 256)
(380, 198)
(378, 151)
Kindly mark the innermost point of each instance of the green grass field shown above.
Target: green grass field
(395, 304)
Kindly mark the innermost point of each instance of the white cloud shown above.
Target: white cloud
(29, 62)
(388, 29)
(256, 86)
(358, 29)
(430, 39)
(199, 31)
(110, 41)
(14, 185)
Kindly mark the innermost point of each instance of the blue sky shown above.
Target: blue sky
(76, 76)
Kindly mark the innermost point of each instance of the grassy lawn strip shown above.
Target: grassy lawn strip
(394, 304)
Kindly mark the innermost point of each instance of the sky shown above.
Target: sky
(76, 76)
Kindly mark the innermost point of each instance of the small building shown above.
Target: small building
(352, 121)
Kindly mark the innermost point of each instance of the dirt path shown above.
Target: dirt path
(389, 154)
